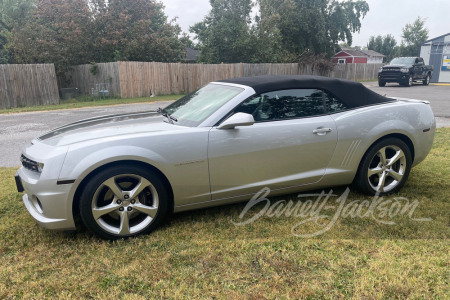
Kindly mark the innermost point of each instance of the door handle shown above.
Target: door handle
(321, 131)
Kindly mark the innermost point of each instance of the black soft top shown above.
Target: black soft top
(352, 94)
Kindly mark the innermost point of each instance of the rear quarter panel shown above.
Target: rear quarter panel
(359, 129)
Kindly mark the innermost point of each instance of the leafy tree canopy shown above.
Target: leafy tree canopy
(314, 26)
(413, 36)
(284, 30)
(225, 34)
(75, 32)
(13, 15)
(386, 45)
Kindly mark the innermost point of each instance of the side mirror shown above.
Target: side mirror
(238, 119)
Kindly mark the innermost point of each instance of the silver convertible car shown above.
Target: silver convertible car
(221, 144)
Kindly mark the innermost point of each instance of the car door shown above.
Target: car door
(290, 144)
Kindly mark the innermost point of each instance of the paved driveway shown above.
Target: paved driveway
(16, 130)
(439, 96)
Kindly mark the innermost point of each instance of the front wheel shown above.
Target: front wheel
(409, 81)
(123, 201)
(381, 83)
(385, 167)
(426, 81)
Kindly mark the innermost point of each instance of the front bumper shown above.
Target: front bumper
(397, 77)
(46, 201)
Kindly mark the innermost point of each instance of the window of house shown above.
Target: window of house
(341, 61)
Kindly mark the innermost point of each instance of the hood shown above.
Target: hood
(107, 126)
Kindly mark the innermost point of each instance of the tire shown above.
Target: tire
(409, 81)
(383, 178)
(123, 201)
(426, 81)
(381, 83)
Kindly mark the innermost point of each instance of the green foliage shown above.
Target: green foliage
(284, 30)
(187, 41)
(386, 45)
(135, 30)
(117, 56)
(225, 35)
(314, 26)
(75, 32)
(13, 15)
(94, 68)
(413, 36)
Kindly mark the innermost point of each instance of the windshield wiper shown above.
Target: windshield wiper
(167, 115)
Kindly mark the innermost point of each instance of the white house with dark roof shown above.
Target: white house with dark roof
(373, 57)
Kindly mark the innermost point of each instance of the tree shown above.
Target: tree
(58, 32)
(284, 30)
(413, 36)
(13, 15)
(386, 45)
(134, 30)
(68, 33)
(314, 26)
(225, 34)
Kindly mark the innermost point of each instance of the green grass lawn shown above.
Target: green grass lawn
(202, 254)
(87, 101)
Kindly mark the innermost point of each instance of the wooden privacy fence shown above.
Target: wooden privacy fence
(141, 79)
(28, 85)
(357, 72)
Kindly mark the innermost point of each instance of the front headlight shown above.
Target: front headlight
(380, 70)
(404, 70)
(31, 164)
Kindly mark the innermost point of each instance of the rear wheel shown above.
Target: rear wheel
(123, 201)
(385, 167)
(426, 81)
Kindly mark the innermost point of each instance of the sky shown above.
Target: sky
(384, 16)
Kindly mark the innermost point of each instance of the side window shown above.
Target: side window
(333, 104)
(284, 104)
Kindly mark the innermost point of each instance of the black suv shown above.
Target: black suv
(405, 71)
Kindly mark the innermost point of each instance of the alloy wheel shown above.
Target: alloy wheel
(125, 204)
(386, 169)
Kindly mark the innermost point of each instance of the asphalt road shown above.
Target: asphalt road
(439, 96)
(16, 130)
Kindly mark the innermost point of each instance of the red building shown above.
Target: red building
(349, 56)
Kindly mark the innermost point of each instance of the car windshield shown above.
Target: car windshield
(402, 61)
(196, 107)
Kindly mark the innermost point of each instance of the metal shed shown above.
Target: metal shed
(436, 52)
